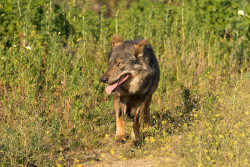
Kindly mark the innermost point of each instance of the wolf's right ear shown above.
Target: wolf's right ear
(116, 40)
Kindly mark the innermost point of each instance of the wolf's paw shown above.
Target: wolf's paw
(135, 143)
(120, 138)
(146, 127)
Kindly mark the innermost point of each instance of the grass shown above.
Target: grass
(54, 111)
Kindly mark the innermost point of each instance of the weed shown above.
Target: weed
(53, 110)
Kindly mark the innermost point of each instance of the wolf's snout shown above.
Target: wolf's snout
(104, 79)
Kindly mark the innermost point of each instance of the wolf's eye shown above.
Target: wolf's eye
(119, 64)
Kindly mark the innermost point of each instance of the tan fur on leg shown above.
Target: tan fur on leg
(120, 123)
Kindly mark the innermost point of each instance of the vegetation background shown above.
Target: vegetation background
(54, 111)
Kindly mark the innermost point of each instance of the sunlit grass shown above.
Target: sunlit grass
(54, 111)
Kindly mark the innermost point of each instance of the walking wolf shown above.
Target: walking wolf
(132, 77)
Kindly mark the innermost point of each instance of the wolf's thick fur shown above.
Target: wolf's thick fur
(132, 77)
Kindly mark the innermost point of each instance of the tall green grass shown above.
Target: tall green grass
(54, 111)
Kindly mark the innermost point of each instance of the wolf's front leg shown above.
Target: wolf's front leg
(146, 113)
(135, 134)
(120, 123)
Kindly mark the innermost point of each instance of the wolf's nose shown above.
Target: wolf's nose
(104, 79)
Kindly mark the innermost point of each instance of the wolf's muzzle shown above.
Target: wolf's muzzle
(104, 79)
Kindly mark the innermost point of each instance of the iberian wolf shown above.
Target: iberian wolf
(132, 77)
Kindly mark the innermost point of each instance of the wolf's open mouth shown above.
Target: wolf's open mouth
(114, 85)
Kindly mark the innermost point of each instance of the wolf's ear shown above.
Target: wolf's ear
(116, 40)
(139, 47)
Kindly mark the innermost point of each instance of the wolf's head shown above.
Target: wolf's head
(126, 60)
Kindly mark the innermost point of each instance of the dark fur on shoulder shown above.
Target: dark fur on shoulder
(132, 77)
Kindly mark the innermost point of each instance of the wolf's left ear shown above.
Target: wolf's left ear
(139, 47)
(116, 40)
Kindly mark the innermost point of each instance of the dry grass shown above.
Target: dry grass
(54, 111)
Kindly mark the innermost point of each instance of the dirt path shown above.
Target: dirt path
(152, 162)
(143, 162)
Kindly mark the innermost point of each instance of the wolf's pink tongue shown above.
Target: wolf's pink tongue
(110, 88)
